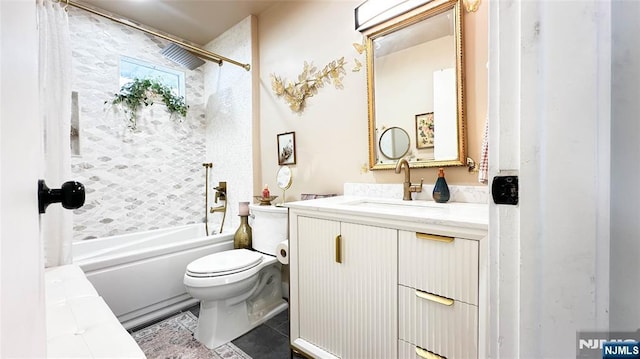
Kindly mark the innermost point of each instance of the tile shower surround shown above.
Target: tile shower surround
(135, 181)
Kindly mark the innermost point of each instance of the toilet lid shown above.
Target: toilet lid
(223, 263)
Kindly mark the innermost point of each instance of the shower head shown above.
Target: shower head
(182, 57)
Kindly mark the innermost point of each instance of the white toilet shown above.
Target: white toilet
(240, 289)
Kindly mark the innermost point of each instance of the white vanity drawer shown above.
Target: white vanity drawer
(406, 350)
(447, 328)
(410, 351)
(440, 265)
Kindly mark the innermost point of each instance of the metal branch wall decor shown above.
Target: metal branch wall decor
(309, 81)
(360, 47)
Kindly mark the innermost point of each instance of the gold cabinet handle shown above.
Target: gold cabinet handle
(424, 353)
(434, 298)
(433, 237)
(339, 248)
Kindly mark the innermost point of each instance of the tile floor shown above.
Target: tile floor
(267, 341)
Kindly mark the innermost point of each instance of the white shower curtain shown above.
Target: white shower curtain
(55, 112)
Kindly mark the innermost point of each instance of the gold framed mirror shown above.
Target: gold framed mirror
(415, 82)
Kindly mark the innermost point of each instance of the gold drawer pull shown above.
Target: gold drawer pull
(424, 353)
(433, 237)
(434, 298)
(339, 248)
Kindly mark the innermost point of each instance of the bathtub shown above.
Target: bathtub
(140, 275)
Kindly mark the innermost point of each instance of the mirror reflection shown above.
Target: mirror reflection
(415, 86)
(394, 143)
(284, 179)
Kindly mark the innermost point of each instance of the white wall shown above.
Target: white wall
(625, 166)
(404, 95)
(230, 107)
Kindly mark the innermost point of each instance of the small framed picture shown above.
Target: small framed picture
(287, 148)
(424, 130)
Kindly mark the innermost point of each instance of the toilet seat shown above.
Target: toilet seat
(224, 263)
(223, 279)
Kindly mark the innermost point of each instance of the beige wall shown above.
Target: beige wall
(331, 134)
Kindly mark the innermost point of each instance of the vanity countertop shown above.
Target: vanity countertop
(411, 215)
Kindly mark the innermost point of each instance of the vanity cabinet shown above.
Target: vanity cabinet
(346, 288)
(438, 296)
(371, 284)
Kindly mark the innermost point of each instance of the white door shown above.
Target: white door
(550, 116)
(22, 314)
(348, 288)
(369, 296)
(319, 285)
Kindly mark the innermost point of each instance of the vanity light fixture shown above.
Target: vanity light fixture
(373, 12)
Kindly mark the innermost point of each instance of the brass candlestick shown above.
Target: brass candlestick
(265, 201)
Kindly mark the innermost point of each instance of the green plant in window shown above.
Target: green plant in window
(133, 95)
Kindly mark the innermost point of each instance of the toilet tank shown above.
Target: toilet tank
(269, 226)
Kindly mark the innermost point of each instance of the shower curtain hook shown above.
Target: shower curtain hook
(66, 6)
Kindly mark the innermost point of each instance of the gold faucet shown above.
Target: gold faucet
(206, 165)
(407, 186)
(221, 194)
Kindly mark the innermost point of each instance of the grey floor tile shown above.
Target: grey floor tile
(195, 310)
(282, 328)
(278, 320)
(280, 323)
(264, 342)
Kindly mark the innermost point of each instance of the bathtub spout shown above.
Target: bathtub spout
(222, 209)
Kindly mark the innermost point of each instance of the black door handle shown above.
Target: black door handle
(71, 195)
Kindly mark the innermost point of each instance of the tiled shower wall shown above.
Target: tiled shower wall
(233, 128)
(135, 180)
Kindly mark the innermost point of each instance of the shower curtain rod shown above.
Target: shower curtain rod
(202, 53)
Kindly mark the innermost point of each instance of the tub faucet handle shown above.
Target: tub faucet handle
(221, 191)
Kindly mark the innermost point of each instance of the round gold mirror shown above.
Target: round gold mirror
(284, 179)
(394, 143)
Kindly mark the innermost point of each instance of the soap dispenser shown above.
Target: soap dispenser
(440, 189)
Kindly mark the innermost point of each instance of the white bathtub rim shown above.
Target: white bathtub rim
(117, 247)
(96, 244)
(119, 259)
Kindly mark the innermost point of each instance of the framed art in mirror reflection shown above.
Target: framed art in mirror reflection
(424, 130)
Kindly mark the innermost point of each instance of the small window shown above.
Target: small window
(132, 68)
